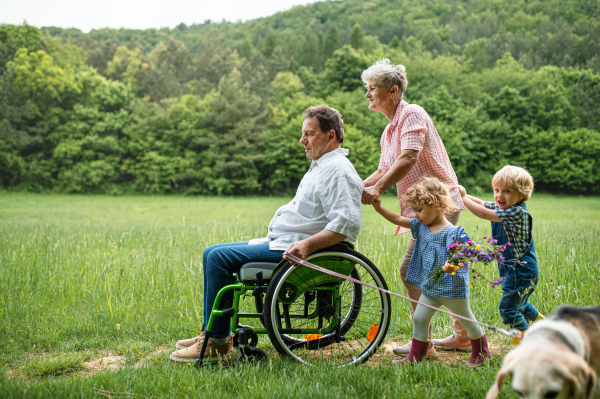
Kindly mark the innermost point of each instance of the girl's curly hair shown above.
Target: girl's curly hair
(432, 192)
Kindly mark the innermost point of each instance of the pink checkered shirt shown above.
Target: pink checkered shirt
(413, 129)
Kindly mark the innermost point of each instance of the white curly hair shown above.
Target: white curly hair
(386, 75)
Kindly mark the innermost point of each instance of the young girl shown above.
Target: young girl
(430, 200)
(512, 222)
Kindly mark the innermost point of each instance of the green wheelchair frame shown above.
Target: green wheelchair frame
(297, 296)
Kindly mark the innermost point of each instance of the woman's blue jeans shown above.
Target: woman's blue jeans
(219, 263)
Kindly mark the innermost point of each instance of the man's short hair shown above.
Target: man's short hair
(329, 119)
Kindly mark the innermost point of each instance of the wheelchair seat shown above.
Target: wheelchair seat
(248, 272)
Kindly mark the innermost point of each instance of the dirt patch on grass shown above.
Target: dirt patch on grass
(115, 362)
(453, 358)
(157, 356)
(385, 354)
(10, 374)
(110, 362)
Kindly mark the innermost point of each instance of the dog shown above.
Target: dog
(558, 357)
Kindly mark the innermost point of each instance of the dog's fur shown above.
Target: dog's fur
(558, 357)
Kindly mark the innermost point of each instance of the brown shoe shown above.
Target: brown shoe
(186, 343)
(192, 353)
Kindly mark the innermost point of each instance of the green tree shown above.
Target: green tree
(357, 36)
(285, 85)
(125, 65)
(269, 44)
(36, 74)
(332, 41)
(16, 37)
(100, 55)
(343, 69)
(475, 53)
(247, 49)
(309, 52)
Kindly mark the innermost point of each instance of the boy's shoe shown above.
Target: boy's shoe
(452, 344)
(186, 343)
(192, 353)
(404, 351)
(539, 317)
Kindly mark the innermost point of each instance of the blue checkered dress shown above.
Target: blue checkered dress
(515, 221)
(431, 251)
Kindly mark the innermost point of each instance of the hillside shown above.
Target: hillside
(214, 108)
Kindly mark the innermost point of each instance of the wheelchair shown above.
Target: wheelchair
(309, 316)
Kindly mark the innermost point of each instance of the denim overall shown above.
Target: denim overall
(520, 277)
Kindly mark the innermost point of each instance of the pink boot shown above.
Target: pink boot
(418, 351)
(480, 352)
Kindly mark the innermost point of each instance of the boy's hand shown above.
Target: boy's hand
(462, 191)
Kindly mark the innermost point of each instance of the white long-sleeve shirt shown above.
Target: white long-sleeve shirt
(329, 197)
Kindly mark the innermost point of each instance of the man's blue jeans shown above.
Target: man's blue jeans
(219, 263)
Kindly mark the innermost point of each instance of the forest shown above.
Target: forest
(215, 108)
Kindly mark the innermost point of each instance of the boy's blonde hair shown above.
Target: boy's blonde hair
(432, 192)
(517, 178)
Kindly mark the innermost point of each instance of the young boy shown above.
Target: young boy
(512, 225)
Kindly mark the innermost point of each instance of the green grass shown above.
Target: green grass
(42, 366)
(82, 277)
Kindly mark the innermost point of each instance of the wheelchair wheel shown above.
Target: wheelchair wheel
(316, 318)
(252, 355)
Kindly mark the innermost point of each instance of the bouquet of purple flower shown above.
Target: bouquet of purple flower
(469, 255)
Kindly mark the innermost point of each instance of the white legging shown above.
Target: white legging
(423, 315)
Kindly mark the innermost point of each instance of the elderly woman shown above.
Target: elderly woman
(410, 149)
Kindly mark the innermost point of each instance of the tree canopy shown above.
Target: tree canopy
(215, 108)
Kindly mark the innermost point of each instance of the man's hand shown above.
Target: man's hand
(300, 249)
(370, 194)
(462, 191)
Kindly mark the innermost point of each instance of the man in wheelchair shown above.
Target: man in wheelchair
(325, 211)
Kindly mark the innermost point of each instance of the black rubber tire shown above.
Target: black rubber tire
(255, 355)
(282, 342)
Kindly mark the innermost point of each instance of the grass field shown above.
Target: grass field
(95, 290)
